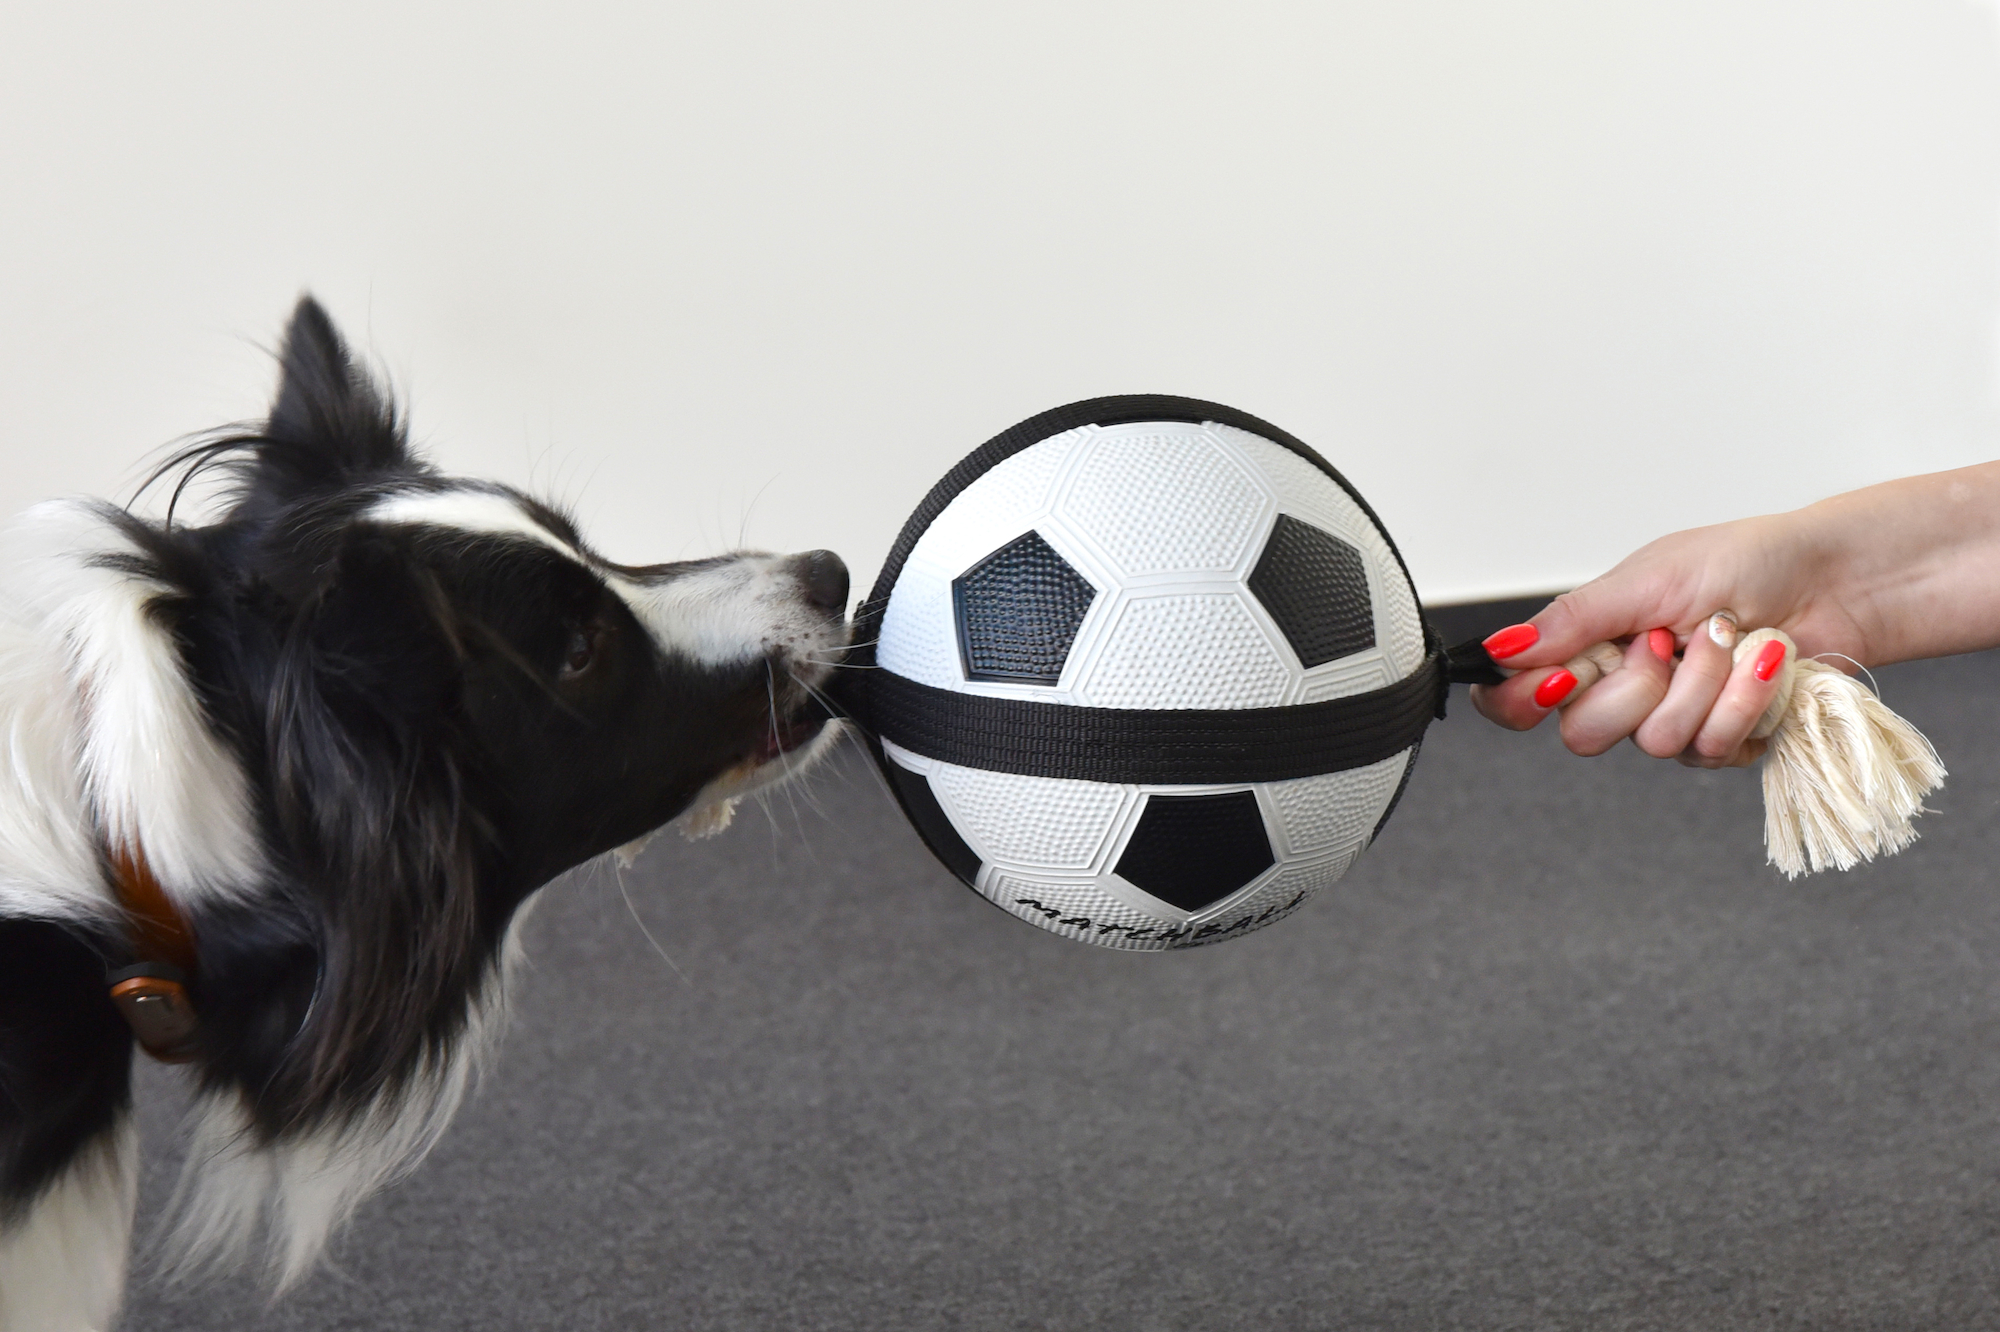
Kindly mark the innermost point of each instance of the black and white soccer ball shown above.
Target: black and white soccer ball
(1148, 672)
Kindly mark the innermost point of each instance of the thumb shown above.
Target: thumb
(1604, 609)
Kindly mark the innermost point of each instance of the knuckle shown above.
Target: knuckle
(1586, 746)
(1713, 750)
(1694, 758)
(1517, 709)
(1656, 745)
(1511, 718)
(1572, 610)
(1583, 739)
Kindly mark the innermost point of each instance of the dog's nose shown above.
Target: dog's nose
(824, 577)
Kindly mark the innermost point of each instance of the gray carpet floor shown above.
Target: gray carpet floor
(1560, 1052)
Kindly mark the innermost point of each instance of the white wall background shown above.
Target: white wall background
(1546, 279)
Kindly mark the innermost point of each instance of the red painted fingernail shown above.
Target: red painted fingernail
(1662, 643)
(1511, 641)
(1769, 658)
(1554, 689)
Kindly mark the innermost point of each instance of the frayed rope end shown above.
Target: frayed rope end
(1845, 777)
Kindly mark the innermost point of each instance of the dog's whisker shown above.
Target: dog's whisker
(770, 824)
(743, 528)
(618, 873)
(825, 700)
(784, 759)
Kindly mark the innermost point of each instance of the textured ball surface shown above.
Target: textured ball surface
(1150, 565)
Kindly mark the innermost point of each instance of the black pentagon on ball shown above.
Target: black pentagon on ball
(1018, 611)
(1195, 850)
(1316, 587)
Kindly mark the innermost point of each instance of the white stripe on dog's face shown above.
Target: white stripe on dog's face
(485, 512)
(728, 611)
(719, 612)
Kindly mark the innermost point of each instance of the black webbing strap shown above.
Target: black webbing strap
(1468, 663)
(1185, 746)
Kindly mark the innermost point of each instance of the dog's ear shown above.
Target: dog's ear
(384, 633)
(369, 798)
(331, 424)
(363, 967)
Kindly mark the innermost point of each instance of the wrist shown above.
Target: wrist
(1901, 568)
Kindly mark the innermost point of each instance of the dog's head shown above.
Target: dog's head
(437, 697)
(383, 623)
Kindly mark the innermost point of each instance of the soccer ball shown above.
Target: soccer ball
(1149, 673)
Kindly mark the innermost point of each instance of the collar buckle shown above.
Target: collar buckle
(152, 994)
(153, 999)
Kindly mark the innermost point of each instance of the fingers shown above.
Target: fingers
(1621, 701)
(1608, 690)
(1723, 739)
(1512, 641)
(1612, 607)
(1700, 711)
(1522, 702)
(1532, 693)
(1704, 669)
(1746, 754)
(1596, 662)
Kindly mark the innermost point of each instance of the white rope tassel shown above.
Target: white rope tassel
(1845, 777)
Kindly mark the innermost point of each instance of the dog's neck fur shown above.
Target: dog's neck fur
(113, 747)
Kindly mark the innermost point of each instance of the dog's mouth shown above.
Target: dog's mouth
(789, 728)
(792, 728)
(800, 710)
(784, 737)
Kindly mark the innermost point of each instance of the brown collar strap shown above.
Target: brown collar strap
(152, 993)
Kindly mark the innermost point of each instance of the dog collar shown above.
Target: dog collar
(152, 994)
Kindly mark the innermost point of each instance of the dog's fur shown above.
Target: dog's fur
(353, 725)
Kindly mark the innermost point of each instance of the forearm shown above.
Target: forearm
(1914, 564)
(1906, 569)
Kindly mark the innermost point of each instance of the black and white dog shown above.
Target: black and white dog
(293, 775)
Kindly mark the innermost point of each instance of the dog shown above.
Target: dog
(275, 790)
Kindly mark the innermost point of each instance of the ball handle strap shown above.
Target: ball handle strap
(1844, 777)
(1470, 663)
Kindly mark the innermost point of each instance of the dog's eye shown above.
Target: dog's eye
(581, 652)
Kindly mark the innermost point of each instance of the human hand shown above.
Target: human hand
(1696, 706)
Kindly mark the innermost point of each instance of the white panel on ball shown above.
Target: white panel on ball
(1339, 679)
(1336, 811)
(1042, 823)
(1154, 468)
(1193, 650)
(1075, 909)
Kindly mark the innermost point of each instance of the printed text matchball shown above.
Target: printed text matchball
(1148, 672)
